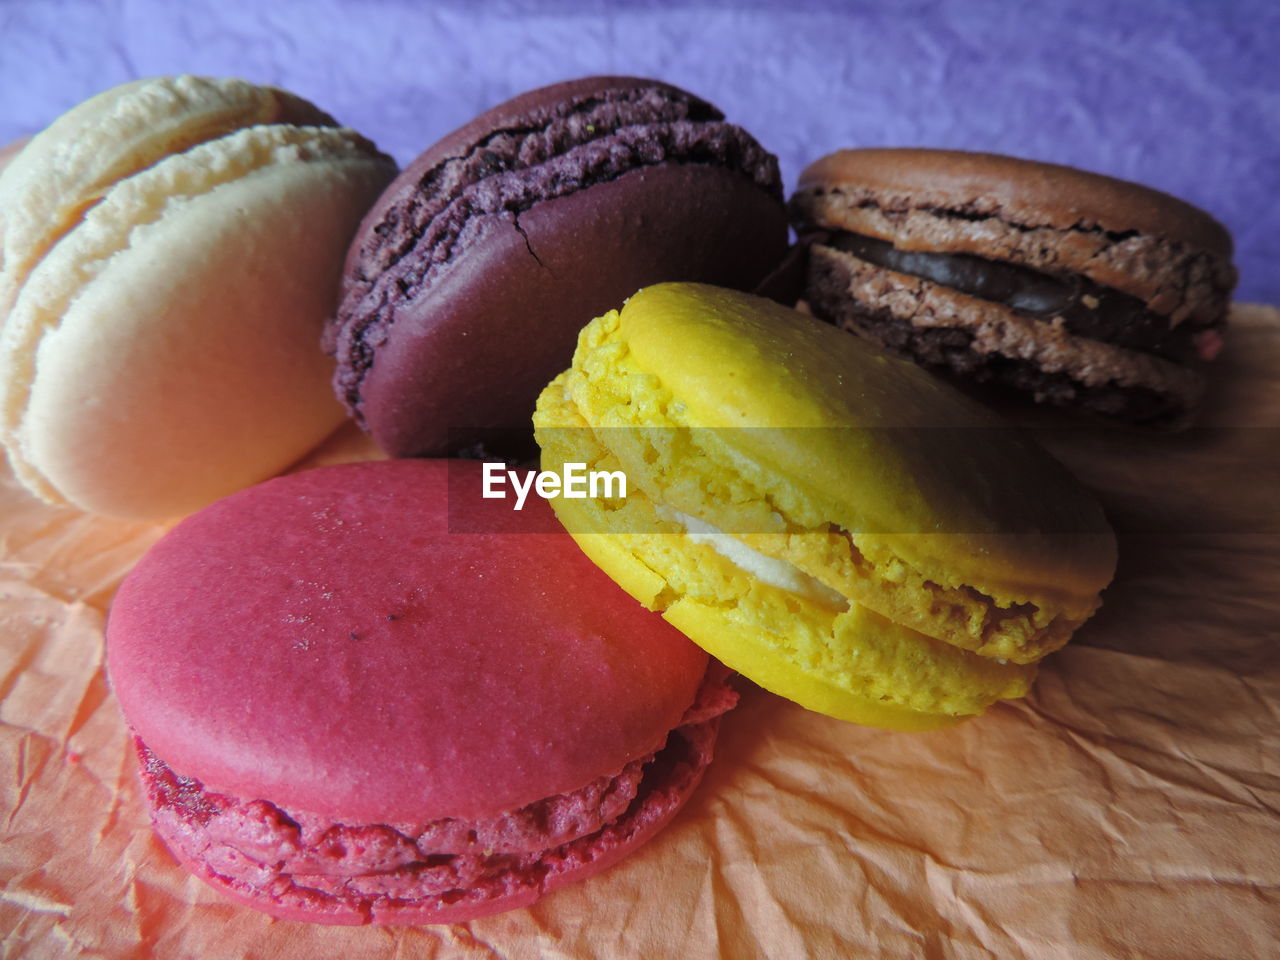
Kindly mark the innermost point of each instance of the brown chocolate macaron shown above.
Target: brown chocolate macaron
(1085, 291)
(469, 280)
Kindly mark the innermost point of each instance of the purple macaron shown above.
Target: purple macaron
(468, 282)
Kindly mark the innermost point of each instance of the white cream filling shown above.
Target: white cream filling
(775, 572)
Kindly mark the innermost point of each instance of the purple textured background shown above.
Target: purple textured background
(1182, 95)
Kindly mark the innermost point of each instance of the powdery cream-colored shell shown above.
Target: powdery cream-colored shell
(164, 352)
(70, 166)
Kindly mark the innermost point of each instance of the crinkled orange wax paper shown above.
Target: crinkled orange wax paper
(1127, 808)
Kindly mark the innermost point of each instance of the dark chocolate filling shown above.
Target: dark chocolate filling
(1086, 308)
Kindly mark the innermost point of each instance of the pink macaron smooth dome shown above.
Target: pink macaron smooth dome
(331, 641)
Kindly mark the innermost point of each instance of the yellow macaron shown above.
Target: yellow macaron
(832, 522)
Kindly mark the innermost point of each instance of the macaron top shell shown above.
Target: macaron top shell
(1026, 191)
(325, 641)
(877, 445)
(70, 166)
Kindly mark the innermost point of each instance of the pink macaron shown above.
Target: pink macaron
(348, 711)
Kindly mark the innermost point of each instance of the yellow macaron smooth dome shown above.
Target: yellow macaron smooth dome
(855, 489)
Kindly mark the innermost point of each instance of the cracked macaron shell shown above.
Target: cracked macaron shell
(474, 272)
(162, 353)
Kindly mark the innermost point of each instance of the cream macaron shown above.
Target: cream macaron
(169, 253)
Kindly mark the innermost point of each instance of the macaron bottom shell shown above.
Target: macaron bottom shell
(424, 891)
